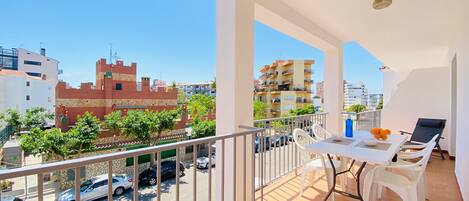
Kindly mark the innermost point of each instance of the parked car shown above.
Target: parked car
(97, 187)
(11, 198)
(266, 144)
(280, 140)
(203, 162)
(168, 170)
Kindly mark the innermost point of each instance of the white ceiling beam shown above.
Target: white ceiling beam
(281, 17)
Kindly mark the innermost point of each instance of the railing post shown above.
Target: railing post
(109, 179)
(158, 177)
(135, 185)
(177, 173)
(194, 179)
(77, 183)
(40, 187)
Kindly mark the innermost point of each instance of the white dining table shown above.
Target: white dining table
(354, 149)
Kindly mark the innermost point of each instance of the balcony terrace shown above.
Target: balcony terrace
(424, 49)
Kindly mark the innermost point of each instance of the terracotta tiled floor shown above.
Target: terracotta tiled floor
(440, 184)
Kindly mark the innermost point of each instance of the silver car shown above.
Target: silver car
(203, 162)
(97, 187)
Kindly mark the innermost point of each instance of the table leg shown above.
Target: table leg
(359, 172)
(356, 177)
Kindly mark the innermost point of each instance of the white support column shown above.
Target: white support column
(334, 89)
(235, 85)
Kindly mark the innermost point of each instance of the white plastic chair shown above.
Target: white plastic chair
(321, 134)
(408, 186)
(310, 164)
(418, 145)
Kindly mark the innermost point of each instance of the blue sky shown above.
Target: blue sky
(172, 39)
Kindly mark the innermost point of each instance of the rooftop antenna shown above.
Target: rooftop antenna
(40, 45)
(110, 53)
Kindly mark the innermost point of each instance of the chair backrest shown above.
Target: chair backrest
(417, 154)
(426, 129)
(422, 163)
(320, 133)
(302, 138)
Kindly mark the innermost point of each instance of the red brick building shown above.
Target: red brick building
(116, 89)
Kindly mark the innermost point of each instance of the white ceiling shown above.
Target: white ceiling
(408, 34)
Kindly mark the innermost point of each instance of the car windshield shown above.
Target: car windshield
(86, 184)
(119, 176)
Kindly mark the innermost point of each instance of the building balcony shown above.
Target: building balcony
(287, 73)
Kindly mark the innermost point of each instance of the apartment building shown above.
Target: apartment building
(115, 89)
(27, 79)
(285, 85)
(320, 90)
(373, 100)
(355, 93)
(21, 91)
(32, 63)
(190, 89)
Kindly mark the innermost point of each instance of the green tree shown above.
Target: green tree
(203, 129)
(84, 132)
(380, 104)
(136, 124)
(111, 121)
(356, 108)
(260, 110)
(141, 125)
(200, 105)
(213, 85)
(181, 97)
(163, 120)
(303, 110)
(50, 143)
(36, 117)
(13, 120)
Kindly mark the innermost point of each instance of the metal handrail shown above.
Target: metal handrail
(283, 118)
(273, 156)
(51, 167)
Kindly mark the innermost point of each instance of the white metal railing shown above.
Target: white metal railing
(275, 155)
(280, 155)
(76, 164)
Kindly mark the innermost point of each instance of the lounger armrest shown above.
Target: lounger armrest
(405, 132)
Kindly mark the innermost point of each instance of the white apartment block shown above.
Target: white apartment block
(355, 93)
(21, 91)
(373, 100)
(34, 64)
(190, 89)
(27, 79)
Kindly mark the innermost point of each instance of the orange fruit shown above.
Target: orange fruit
(386, 131)
(375, 130)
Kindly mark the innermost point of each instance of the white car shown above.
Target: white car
(203, 162)
(97, 187)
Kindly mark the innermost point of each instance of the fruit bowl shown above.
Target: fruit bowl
(380, 134)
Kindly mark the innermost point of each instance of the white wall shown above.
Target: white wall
(421, 93)
(462, 134)
(48, 66)
(13, 92)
